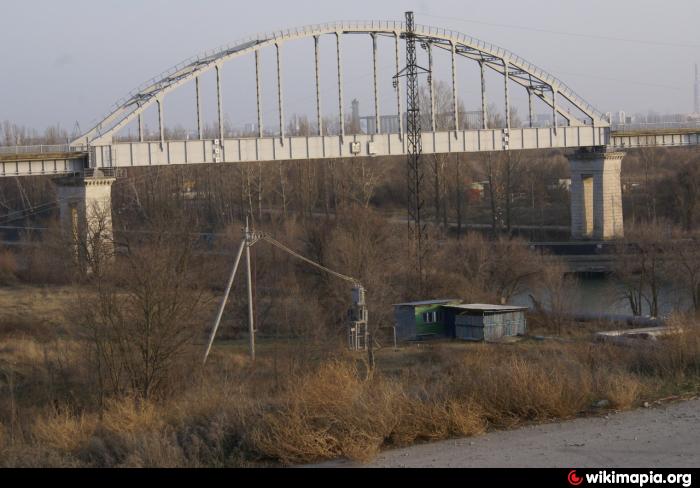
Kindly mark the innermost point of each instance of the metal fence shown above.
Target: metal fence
(658, 125)
(41, 149)
(104, 173)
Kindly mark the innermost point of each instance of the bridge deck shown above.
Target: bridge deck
(41, 156)
(326, 147)
(627, 139)
(653, 132)
(239, 150)
(30, 164)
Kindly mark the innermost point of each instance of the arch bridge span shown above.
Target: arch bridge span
(572, 122)
(563, 103)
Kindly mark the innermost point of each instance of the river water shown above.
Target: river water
(604, 295)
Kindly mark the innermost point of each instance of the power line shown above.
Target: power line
(562, 33)
(617, 80)
(47, 206)
(281, 246)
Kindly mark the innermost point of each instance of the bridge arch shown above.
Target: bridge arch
(513, 68)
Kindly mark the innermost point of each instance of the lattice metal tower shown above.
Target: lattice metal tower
(414, 167)
(697, 91)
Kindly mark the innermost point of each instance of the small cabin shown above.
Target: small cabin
(484, 322)
(423, 319)
(450, 318)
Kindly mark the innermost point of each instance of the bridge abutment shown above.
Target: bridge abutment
(596, 194)
(85, 205)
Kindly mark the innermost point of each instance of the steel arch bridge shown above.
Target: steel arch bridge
(585, 126)
(536, 81)
(596, 204)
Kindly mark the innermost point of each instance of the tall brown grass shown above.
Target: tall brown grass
(238, 415)
(8, 267)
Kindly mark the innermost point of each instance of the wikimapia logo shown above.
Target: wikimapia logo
(639, 479)
(573, 478)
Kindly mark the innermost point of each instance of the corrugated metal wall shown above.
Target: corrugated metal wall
(490, 326)
(497, 325)
(469, 327)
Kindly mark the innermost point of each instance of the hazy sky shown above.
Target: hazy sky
(70, 60)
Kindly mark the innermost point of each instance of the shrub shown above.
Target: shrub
(329, 413)
(8, 268)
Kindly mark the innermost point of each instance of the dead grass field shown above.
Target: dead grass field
(306, 401)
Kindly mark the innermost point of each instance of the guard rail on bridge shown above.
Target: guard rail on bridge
(656, 126)
(37, 160)
(41, 149)
(104, 173)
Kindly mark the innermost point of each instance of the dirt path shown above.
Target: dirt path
(661, 436)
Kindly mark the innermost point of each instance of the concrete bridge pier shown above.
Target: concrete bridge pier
(85, 205)
(596, 194)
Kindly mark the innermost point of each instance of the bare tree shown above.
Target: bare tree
(494, 169)
(649, 159)
(683, 264)
(639, 266)
(551, 291)
(299, 125)
(141, 316)
(501, 267)
(688, 194)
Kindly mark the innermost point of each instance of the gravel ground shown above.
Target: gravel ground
(661, 436)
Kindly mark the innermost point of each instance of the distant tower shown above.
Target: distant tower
(697, 91)
(355, 115)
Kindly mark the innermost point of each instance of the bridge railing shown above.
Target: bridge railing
(40, 149)
(105, 172)
(657, 125)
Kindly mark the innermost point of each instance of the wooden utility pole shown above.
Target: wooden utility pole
(361, 338)
(251, 322)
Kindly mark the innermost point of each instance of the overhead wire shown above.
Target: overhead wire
(47, 206)
(564, 33)
(281, 246)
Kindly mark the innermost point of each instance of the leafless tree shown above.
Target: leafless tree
(649, 159)
(501, 267)
(551, 291)
(141, 316)
(683, 265)
(494, 169)
(688, 194)
(639, 266)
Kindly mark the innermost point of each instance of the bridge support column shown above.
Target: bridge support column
(596, 194)
(85, 206)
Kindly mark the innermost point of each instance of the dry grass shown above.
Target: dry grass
(35, 307)
(519, 388)
(8, 267)
(330, 413)
(131, 416)
(238, 415)
(621, 389)
(64, 431)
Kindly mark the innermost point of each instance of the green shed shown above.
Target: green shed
(424, 319)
